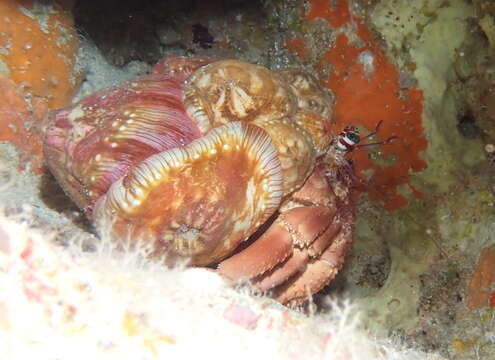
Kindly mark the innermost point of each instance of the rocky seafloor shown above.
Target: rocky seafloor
(421, 273)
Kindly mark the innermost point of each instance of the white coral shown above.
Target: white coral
(64, 303)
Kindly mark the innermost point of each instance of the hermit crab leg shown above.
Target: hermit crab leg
(326, 261)
(305, 229)
(317, 273)
(273, 247)
(309, 243)
(200, 200)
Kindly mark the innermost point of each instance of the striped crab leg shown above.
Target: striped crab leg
(304, 247)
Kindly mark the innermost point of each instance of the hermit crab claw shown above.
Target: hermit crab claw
(200, 200)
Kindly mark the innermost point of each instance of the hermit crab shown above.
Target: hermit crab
(228, 164)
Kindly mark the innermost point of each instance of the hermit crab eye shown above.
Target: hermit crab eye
(353, 136)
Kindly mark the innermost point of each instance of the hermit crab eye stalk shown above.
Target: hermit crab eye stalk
(349, 139)
(353, 137)
(350, 128)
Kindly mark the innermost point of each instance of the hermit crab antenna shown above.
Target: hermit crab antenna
(384, 142)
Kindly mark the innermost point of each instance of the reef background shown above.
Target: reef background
(422, 270)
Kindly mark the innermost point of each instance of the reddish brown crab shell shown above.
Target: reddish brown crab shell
(166, 160)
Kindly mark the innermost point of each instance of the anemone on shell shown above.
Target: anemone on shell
(195, 157)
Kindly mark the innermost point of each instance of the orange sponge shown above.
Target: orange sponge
(17, 122)
(481, 286)
(38, 47)
(367, 90)
(337, 13)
